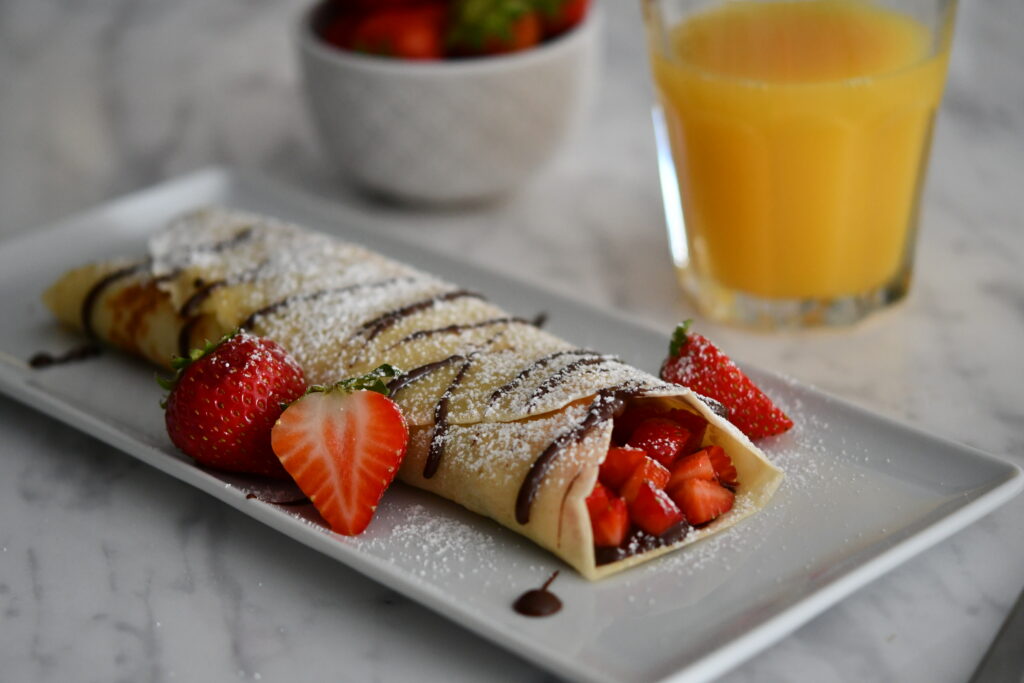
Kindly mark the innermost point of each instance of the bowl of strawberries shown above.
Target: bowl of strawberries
(445, 101)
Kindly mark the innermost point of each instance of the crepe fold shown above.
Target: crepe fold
(506, 419)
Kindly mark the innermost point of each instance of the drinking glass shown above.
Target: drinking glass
(793, 139)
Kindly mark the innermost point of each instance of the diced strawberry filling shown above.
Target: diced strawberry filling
(663, 439)
(648, 472)
(660, 477)
(725, 471)
(702, 500)
(694, 466)
(618, 466)
(609, 517)
(653, 511)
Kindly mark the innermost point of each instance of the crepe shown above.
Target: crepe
(505, 419)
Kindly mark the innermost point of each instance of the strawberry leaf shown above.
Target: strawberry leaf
(375, 380)
(680, 337)
(180, 363)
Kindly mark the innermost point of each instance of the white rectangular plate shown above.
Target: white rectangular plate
(862, 493)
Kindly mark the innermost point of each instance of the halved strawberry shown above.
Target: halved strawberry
(702, 500)
(618, 466)
(342, 445)
(694, 466)
(662, 439)
(653, 511)
(697, 363)
(609, 517)
(649, 471)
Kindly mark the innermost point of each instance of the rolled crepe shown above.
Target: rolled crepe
(506, 419)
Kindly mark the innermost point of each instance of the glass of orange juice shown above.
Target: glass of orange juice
(794, 137)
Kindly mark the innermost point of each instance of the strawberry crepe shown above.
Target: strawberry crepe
(505, 419)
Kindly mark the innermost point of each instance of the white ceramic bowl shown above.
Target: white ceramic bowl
(449, 130)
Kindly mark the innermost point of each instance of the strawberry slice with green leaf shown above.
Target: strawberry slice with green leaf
(342, 445)
(697, 363)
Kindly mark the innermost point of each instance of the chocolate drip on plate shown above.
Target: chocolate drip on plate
(44, 360)
(538, 602)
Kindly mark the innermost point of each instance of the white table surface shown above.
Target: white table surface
(110, 570)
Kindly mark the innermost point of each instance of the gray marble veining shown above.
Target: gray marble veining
(112, 571)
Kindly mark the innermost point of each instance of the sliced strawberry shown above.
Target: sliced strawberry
(653, 511)
(663, 439)
(702, 500)
(598, 499)
(698, 364)
(649, 471)
(725, 471)
(631, 418)
(618, 466)
(694, 424)
(609, 517)
(342, 445)
(694, 466)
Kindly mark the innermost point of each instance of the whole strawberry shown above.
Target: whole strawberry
(225, 399)
(488, 27)
(698, 364)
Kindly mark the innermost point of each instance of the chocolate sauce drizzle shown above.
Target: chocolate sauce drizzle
(185, 336)
(640, 541)
(416, 374)
(606, 403)
(556, 377)
(192, 303)
(312, 296)
(717, 407)
(437, 439)
(538, 602)
(94, 293)
(372, 328)
(454, 329)
(536, 365)
(44, 360)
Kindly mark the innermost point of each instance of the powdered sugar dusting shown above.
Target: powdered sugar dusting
(436, 544)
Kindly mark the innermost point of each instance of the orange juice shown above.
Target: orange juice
(799, 132)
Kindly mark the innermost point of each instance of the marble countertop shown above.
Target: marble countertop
(110, 570)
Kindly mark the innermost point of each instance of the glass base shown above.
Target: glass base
(739, 308)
